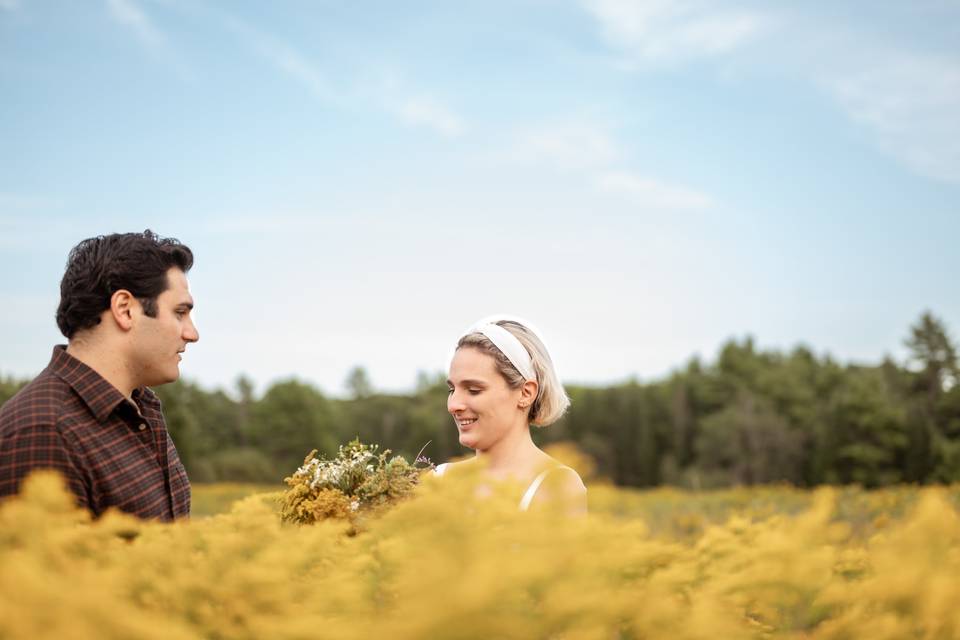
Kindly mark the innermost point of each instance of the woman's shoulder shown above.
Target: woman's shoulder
(559, 484)
(445, 467)
(560, 476)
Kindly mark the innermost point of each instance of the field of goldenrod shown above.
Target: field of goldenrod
(761, 563)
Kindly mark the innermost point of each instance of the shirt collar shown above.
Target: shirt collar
(100, 396)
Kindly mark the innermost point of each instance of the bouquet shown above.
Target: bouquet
(357, 482)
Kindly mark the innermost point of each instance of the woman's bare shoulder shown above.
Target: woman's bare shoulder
(446, 467)
(566, 480)
(562, 486)
(560, 476)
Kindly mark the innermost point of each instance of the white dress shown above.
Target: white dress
(528, 494)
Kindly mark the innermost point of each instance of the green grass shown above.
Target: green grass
(211, 499)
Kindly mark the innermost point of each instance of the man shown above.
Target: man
(125, 310)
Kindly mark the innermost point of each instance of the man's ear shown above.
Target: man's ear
(122, 308)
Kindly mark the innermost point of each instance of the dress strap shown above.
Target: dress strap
(532, 489)
(528, 494)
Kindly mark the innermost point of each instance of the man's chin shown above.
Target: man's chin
(164, 379)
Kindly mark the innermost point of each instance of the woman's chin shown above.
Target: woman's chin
(467, 441)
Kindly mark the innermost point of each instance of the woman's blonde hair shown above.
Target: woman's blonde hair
(552, 400)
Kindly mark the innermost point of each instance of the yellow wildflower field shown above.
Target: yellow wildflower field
(744, 563)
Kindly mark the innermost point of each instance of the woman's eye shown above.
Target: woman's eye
(450, 390)
(474, 392)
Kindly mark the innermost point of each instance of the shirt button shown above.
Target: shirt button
(143, 427)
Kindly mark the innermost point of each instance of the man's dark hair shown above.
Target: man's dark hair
(99, 267)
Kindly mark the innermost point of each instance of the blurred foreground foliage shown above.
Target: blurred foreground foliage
(763, 563)
(751, 417)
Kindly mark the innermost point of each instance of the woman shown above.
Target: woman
(501, 381)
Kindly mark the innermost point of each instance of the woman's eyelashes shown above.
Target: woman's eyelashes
(474, 392)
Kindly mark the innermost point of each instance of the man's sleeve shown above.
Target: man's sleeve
(37, 447)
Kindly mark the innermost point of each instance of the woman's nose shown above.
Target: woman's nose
(454, 403)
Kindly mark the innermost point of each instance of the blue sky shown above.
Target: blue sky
(361, 181)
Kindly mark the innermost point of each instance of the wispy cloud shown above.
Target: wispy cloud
(569, 145)
(911, 103)
(131, 16)
(128, 14)
(9, 5)
(286, 59)
(668, 31)
(649, 193)
(590, 151)
(906, 99)
(412, 108)
(428, 112)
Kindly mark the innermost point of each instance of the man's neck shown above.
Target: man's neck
(105, 363)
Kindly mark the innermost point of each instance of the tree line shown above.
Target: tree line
(752, 416)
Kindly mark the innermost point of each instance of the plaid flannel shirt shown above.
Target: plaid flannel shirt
(112, 452)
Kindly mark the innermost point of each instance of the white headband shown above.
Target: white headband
(509, 346)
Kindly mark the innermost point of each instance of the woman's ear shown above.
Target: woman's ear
(122, 304)
(528, 393)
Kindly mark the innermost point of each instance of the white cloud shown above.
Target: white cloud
(285, 58)
(131, 16)
(907, 100)
(414, 106)
(417, 110)
(650, 193)
(911, 103)
(591, 153)
(154, 41)
(665, 31)
(568, 146)
(427, 112)
(9, 5)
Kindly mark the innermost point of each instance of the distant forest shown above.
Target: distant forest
(753, 416)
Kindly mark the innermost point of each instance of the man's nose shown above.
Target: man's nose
(190, 333)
